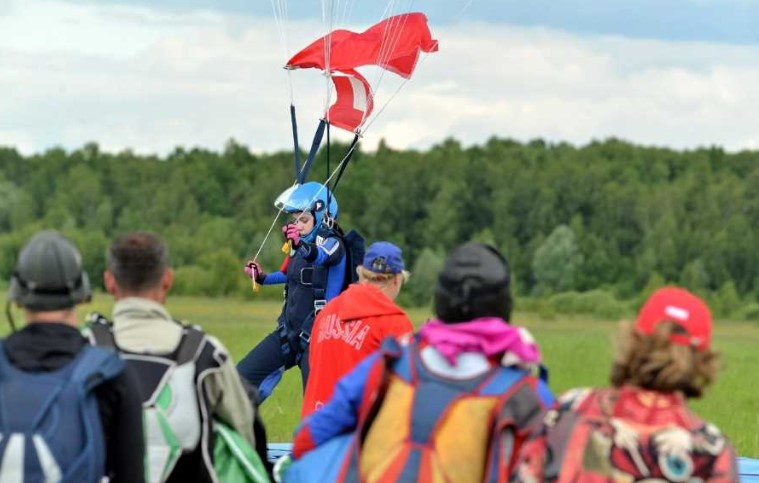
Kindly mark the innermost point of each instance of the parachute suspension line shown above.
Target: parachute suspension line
(328, 13)
(280, 16)
(329, 193)
(388, 9)
(390, 39)
(279, 7)
(347, 12)
(390, 12)
(424, 56)
(268, 233)
(393, 33)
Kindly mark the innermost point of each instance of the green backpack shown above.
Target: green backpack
(234, 459)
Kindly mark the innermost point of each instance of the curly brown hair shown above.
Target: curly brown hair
(654, 362)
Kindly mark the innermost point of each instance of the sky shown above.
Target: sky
(153, 75)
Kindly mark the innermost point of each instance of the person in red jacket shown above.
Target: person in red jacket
(354, 324)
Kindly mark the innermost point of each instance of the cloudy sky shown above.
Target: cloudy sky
(150, 75)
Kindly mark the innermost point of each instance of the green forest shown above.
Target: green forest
(591, 228)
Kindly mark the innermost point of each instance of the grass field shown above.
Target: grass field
(577, 352)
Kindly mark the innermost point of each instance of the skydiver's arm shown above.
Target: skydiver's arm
(339, 415)
(274, 278)
(328, 253)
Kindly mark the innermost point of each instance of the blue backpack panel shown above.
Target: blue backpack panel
(50, 426)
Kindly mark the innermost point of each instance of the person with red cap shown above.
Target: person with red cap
(354, 324)
(641, 428)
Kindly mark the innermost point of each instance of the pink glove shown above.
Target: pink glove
(291, 233)
(253, 270)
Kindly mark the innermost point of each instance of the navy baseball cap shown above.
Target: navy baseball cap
(384, 257)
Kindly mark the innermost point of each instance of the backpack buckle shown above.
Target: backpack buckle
(308, 279)
(284, 343)
(319, 305)
(304, 338)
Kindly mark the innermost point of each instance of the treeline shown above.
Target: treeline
(609, 217)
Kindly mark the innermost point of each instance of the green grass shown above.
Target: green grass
(577, 351)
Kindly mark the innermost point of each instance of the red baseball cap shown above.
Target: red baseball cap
(681, 307)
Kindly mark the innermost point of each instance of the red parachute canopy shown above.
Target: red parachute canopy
(393, 44)
(354, 101)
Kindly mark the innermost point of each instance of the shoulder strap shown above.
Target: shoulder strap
(101, 331)
(4, 362)
(355, 249)
(96, 365)
(400, 358)
(320, 272)
(189, 347)
(503, 379)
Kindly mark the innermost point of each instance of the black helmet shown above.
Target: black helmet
(49, 274)
(474, 283)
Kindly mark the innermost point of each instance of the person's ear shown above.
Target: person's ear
(167, 280)
(109, 281)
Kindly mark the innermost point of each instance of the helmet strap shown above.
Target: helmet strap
(328, 221)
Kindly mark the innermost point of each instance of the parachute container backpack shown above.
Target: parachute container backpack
(171, 411)
(172, 405)
(50, 426)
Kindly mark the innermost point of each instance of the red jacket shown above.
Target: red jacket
(349, 328)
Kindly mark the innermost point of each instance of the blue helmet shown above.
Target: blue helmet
(310, 197)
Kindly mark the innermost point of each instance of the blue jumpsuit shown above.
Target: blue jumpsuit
(287, 346)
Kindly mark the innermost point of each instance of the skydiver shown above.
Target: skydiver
(314, 274)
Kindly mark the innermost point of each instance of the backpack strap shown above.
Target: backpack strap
(101, 334)
(95, 366)
(101, 331)
(355, 249)
(5, 364)
(502, 381)
(190, 344)
(319, 277)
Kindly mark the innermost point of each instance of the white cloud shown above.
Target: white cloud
(134, 77)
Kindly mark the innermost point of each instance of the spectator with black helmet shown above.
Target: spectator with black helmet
(354, 324)
(453, 403)
(74, 407)
(641, 429)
